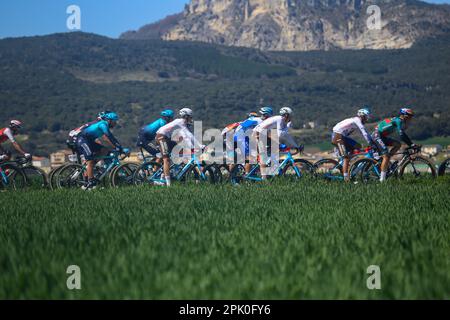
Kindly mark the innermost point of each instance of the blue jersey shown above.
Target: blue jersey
(151, 129)
(245, 126)
(98, 130)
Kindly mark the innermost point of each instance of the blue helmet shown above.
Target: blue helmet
(266, 111)
(168, 113)
(112, 116)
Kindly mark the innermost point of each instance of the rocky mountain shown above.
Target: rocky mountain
(302, 25)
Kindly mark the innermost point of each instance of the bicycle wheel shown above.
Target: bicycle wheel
(328, 169)
(36, 178)
(122, 175)
(144, 173)
(70, 176)
(417, 168)
(367, 169)
(300, 168)
(444, 168)
(224, 172)
(12, 177)
(196, 175)
(218, 177)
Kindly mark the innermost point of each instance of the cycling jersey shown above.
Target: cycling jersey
(6, 134)
(348, 126)
(150, 130)
(243, 133)
(98, 130)
(282, 129)
(179, 126)
(247, 125)
(75, 132)
(230, 127)
(390, 125)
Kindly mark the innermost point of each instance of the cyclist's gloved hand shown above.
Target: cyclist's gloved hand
(301, 148)
(27, 156)
(126, 151)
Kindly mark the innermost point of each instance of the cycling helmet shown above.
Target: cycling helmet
(364, 112)
(266, 111)
(286, 111)
(168, 113)
(16, 124)
(406, 112)
(252, 114)
(102, 114)
(186, 112)
(112, 116)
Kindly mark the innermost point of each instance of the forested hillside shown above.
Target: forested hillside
(55, 83)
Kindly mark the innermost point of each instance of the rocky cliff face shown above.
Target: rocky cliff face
(301, 25)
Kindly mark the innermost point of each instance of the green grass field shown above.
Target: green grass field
(311, 240)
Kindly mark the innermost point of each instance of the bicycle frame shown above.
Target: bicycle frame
(5, 177)
(114, 163)
(193, 162)
(288, 160)
(369, 153)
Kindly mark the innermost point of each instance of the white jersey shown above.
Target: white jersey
(180, 127)
(348, 126)
(277, 122)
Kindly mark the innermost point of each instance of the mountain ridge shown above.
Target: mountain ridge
(298, 25)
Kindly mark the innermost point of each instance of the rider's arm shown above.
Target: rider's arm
(109, 137)
(15, 144)
(363, 130)
(403, 134)
(188, 136)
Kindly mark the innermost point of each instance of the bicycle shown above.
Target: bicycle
(35, 177)
(151, 172)
(74, 175)
(12, 177)
(444, 168)
(290, 167)
(410, 165)
(330, 169)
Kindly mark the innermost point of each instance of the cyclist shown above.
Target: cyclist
(341, 137)
(147, 134)
(382, 140)
(73, 134)
(164, 136)
(8, 133)
(281, 123)
(244, 132)
(94, 140)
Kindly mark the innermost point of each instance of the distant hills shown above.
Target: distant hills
(55, 83)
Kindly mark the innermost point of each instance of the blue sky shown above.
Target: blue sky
(105, 17)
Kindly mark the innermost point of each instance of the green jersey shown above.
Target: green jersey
(391, 125)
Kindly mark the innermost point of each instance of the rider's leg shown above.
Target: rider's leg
(384, 153)
(339, 142)
(166, 160)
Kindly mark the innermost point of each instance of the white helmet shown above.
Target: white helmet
(286, 111)
(186, 112)
(364, 112)
(15, 124)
